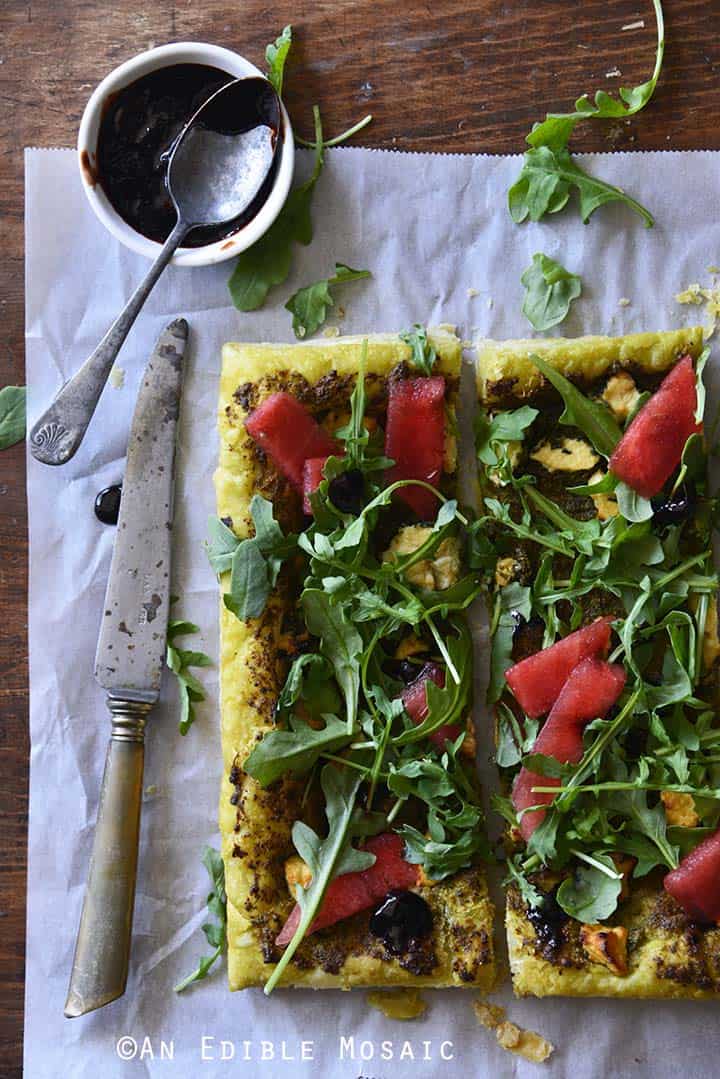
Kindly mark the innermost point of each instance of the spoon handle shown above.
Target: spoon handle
(58, 433)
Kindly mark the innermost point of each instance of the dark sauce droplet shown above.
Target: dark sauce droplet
(347, 491)
(675, 509)
(548, 920)
(107, 504)
(400, 920)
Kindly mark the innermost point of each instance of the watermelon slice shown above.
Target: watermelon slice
(312, 478)
(414, 698)
(415, 439)
(695, 884)
(353, 892)
(651, 448)
(289, 435)
(589, 693)
(537, 680)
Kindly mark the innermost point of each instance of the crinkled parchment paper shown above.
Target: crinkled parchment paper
(431, 228)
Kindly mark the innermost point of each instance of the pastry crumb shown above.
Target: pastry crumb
(695, 294)
(398, 1003)
(116, 377)
(624, 301)
(472, 292)
(524, 1043)
(638, 25)
(331, 331)
(713, 269)
(490, 302)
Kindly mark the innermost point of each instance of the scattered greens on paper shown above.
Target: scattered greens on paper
(12, 416)
(550, 289)
(309, 305)
(549, 173)
(179, 660)
(267, 262)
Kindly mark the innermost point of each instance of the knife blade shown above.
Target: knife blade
(131, 645)
(128, 664)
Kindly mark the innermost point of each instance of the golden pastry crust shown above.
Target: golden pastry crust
(255, 823)
(505, 371)
(668, 956)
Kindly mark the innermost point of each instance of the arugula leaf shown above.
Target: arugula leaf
(511, 603)
(178, 661)
(592, 417)
(294, 750)
(632, 506)
(220, 545)
(215, 932)
(424, 354)
(340, 644)
(309, 305)
(275, 56)
(326, 858)
(516, 876)
(12, 415)
(556, 128)
(268, 261)
(254, 563)
(550, 289)
(591, 894)
(546, 180)
(249, 583)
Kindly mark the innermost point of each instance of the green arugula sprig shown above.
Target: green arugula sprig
(309, 305)
(215, 931)
(550, 289)
(12, 415)
(423, 352)
(549, 173)
(179, 660)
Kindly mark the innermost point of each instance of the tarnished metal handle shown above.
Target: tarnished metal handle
(58, 433)
(102, 951)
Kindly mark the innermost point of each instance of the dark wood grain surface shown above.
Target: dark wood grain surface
(451, 75)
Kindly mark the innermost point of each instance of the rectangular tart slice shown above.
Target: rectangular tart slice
(595, 538)
(353, 837)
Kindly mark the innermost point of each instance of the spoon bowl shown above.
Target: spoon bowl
(223, 164)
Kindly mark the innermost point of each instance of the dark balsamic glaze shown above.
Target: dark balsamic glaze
(107, 504)
(138, 129)
(675, 509)
(347, 491)
(401, 919)
(548, 920)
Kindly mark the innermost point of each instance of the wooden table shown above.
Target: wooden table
(452, 75)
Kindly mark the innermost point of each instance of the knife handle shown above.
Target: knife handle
(102, 951)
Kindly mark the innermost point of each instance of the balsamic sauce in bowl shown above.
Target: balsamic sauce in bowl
(138, 130)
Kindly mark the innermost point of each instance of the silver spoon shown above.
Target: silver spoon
(220, 171)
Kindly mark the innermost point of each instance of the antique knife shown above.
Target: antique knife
(128, 664)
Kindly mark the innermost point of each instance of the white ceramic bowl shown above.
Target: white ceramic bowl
(186, 52)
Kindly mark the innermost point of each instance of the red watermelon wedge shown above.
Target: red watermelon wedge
(651, 448)
(312, 478)
(695, 884)
(414, 698)
(353, 892)
(537, 680)
(415, 439)
(289, 435)
(589, 693)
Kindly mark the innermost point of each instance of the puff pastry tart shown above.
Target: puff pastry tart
(595, 538)
(352, 830)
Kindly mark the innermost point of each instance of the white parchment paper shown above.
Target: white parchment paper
(431, 228)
